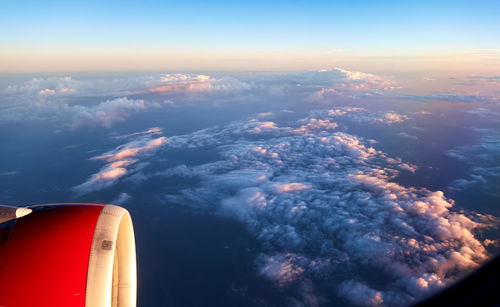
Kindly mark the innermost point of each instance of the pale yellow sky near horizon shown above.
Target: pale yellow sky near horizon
(474, 61)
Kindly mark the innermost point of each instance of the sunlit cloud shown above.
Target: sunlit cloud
(306, 189)
(119, 160)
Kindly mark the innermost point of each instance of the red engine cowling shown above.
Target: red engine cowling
(68, 255)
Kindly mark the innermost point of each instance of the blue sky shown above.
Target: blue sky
(197, 27)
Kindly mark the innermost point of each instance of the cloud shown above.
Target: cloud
(150, 131)
(119, 160)
(483, 112)
(488, 79)
(69, 86)
(486, 149)
(265, 114)
(323, 205)
(61, 97)
(193, 83)
(360, 294)
(341, 82)
(47, 92)
(121, 199)
(67, 97)
(49, 106)
(454, 97)
(281, 268)
(361, 115)
(106, 113)
(10, 173)
(343, 79)
(291, 187)
(406, 136)
(97, 87)
(316, 125)
(483, 177)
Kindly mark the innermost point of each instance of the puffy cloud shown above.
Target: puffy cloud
(315, 125)
(51, 97)
(361, 115)
(291, 187)
(341, 82)
(119, 160)
(263, 127)
(281, 268)
(58, 97)
(322, 201)
(105, 113)
(192, 83)
(360, 294)
(340, 79)
(49, 106)
(68, 86)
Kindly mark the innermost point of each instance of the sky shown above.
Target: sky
(259, 35)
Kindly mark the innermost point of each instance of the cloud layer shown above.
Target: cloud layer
(66, 97)
(324, 206)
(482, 158)
(97, 98)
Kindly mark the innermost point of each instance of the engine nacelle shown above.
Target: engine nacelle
(68, 255)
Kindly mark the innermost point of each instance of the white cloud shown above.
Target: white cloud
(193, 83)
(320, 201)
(364, 116)
(314, 125)
(341, 82)
(106, 113)
(61, 97)
(68, 86)
(54, 97)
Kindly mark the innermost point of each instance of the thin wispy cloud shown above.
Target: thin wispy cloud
(120, 160)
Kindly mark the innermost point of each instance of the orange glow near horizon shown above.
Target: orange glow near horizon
(466, 62)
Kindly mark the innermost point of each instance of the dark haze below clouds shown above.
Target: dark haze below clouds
(196, 159)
